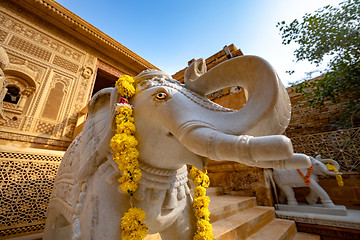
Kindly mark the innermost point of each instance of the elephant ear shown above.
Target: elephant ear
(98, 130)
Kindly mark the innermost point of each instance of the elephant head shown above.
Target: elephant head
(177, 124)
(320, 168)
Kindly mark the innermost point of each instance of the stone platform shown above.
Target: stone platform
(317, 209)
(350, 221)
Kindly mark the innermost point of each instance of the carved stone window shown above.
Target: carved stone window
(18, 92)
(12, 95)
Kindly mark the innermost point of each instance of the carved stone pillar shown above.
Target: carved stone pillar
(24, 96)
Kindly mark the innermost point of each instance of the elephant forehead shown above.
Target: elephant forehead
(179, 87)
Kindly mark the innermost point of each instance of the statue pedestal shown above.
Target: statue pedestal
(323, 224)
(338, 210)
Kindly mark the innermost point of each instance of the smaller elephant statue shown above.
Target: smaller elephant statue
(290, 178)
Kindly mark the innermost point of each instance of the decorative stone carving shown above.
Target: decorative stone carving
(62, 62)
(28, 32)
(87, 72)
(180, 127)
(24, 96)
(27, 179)
(288, 179)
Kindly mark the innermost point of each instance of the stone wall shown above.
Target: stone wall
(240, 180)
(48, 71)
(307, 120)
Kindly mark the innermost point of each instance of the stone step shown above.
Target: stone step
(306, 236)
(224, 206)
(243, 224)
(277, 229)
(214, 191)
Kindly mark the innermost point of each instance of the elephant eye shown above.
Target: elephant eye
(161, 95)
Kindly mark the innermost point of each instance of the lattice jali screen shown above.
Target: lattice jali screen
(26, 181)
(342, 146)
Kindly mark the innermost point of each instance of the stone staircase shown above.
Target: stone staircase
(238, 218)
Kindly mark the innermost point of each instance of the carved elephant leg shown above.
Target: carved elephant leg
(97, 220)
(312, 197)
(290, 195)
(184, 227)
(318, 190)
(58, 227)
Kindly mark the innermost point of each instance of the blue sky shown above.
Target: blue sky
(170, 33)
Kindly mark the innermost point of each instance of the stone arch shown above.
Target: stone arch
(23, 79)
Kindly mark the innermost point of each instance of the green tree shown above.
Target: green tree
(330, 33)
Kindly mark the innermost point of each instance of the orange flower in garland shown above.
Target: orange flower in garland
(307, 177)
(123, 143)
(201, 205)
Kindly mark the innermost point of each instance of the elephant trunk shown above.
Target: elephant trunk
(333, 162)
(206, 141)
(268, 108)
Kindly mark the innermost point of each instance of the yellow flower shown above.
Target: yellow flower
(128, 186)
(202, 213)
(204, 226)
(338, 177)
(125, 86)
(194, 172)
(205, 181)
(199, 177)
(126, 127)
(136, 174)
(126, 112)
(122, 118)
(201, 202)
(123, 143)
(120, 141)
(203, 236)
(133, 174)
(200, 191)
(132, 225)
(201, 205)
(135, 214)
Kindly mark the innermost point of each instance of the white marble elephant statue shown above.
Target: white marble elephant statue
(175, 125)
(289, 178)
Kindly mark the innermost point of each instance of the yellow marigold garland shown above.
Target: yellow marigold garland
(123, 143)
(338, 177)
(201, 205)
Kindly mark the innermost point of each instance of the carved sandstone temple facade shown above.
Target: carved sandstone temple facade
(57, 62)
